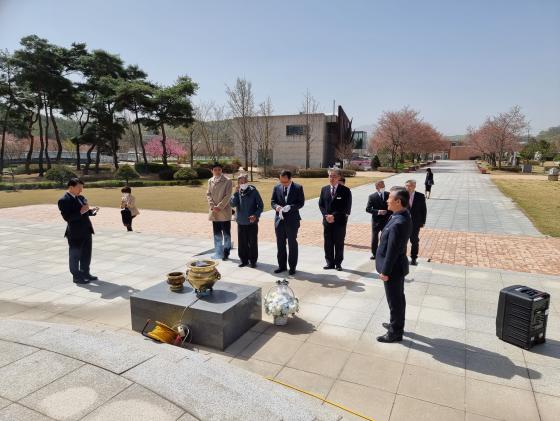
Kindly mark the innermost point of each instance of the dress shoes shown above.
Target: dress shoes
(327, 267)
(339, 268)
(280, 270)
(389, 338)
(89, 277)
(372, 257)
(254, 265)
(413, 262)
(386, 325)
(292, 272)
(242, 264)
(80, 281)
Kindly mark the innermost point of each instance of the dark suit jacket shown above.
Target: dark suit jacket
(375, 204)
(390, 258)
(79, 225)
(296, 200)
(339, 206)
(418, 212)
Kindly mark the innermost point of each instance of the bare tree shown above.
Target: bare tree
(212, 128)
(309, 107)
(242, 103)
(265, 133)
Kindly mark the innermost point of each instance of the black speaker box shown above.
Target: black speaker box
(522, 316)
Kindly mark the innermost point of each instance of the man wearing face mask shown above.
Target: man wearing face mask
(377, 206)
(248, 205)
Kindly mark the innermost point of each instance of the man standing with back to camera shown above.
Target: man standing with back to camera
(392, 264)
(76, 212)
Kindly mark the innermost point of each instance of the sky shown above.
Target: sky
(457, 62)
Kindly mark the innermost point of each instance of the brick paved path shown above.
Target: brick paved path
(511, 252)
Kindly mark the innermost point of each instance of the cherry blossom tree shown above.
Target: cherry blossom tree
(154, 147)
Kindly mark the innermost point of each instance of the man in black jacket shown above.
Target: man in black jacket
(418, 213)
(335, 203)
(377, 206)
(76, 212)
(392, 264)
(287, 199)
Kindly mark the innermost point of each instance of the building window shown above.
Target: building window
(295, 130)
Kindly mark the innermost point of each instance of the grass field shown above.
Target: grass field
(540, 200)
(170, 198)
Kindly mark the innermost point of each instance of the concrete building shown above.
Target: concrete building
(327, 132)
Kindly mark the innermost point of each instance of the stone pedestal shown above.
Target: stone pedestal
(215, 321)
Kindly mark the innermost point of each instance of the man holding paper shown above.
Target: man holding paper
(287, 199)
(75, 211)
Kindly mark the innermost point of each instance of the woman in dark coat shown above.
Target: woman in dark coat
(429, 182)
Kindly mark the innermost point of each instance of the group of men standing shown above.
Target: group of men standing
(380, 214)
(397, 215)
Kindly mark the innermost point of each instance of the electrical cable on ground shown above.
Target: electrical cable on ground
(315, 395)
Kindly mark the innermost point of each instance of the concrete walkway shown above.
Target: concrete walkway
(51, 371)
(450, 367)
(462, 200)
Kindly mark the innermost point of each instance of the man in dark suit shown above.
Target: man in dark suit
(392, 264)
(287, 199)
(418, 213)
(377, 206)
(335, 203)
(76, 212)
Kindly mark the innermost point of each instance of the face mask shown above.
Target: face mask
(243, 186)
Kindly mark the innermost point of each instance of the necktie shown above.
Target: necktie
(381, 195)
(285, 193)
(411, 200)
(333, 191)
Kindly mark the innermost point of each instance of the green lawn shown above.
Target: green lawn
(171, 198)
(539, 199)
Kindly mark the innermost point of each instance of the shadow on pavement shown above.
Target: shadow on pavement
(497, 365)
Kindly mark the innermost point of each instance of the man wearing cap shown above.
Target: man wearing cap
(218, 195)
(249, 205)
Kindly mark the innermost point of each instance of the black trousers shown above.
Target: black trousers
(287, 232)
(80, 256)
(376, 228)
(247, 248)
(127, 218)
(333, 235)
(394, 290)
(415, 241)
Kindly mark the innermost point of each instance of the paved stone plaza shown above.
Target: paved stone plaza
(462, 200)
(451, 366)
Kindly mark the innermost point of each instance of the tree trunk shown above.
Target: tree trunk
(114, 150)
(135, 145)
(4, 129)
(57, 136)
(41, 141)
(47, 136)
(97, 159)
(31, 142)
(192, 152)
(307, 152)
(141, 141)
(88, 161)
(163, 145)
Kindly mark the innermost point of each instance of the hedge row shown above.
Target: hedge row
(323, 172)
(105, 183)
